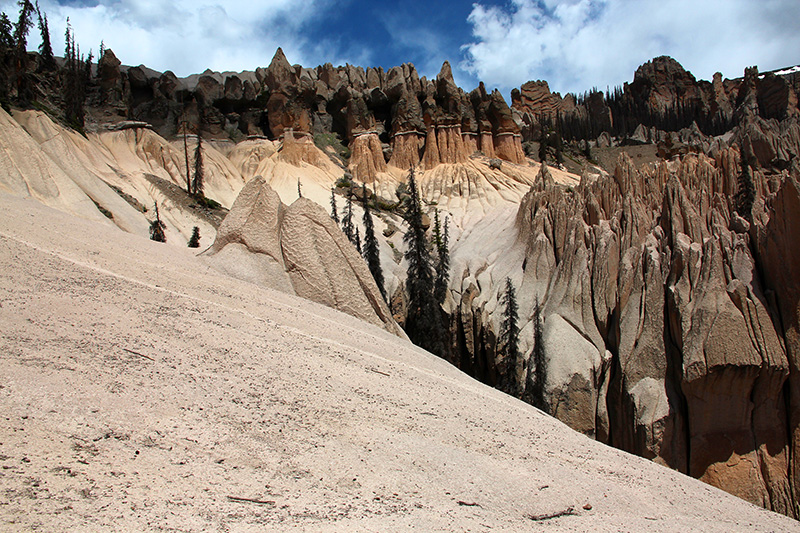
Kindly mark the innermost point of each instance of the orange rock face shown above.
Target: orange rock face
(406, 148)
(366, 157)
(508, 146)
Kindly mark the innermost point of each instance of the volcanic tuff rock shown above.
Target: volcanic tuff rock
(391, 117)
(297, 249)
(667, 317)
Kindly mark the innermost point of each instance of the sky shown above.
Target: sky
(573, 44)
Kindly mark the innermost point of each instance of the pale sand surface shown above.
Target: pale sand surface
(141, 389)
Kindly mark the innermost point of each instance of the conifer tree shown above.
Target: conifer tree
(75, 82)
(6, 37)
(424, 323)
(23, 26)
(194, 241)
(371, 247)
(357, 241)
(441, 238)
(299, 190)
(347, 219)
(199, 173)
(537, 371)
(334, 213)
(509, 339)
(45, 48)
(157, 228)
(746, 193)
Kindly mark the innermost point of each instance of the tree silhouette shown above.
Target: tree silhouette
(194, 240)
(509, 340)
(371, 248)
(442, 268)
(424, 321)
(23, 26)
(45, 48)
(536, 377)
(75, 82)
(199, 172)
(157, 228)
(6, 37)
(334, 213)
(347, 219)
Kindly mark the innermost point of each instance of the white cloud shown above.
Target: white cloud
(578, 44)
(185, 36)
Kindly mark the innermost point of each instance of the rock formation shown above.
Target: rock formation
(298, 249)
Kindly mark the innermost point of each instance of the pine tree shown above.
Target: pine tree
(157, 228)
(45, 48)
(299, 190)
(347, 219)
(357, 241)
(746, 194)
(194, 241)
(537, 370)
(75, 82)
(100, 55)
(6, 37)
(371, 247)
(443, 259)
(334, 213)
(199, 174)
(509, 340)
(23, 26)
(424, 323)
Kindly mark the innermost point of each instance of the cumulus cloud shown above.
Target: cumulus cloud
(579, 44)
(186, 36)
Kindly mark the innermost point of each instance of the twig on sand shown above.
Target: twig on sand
(379, 372)
(139, 354)
(250, 500)
(566, 512)
(468, 504)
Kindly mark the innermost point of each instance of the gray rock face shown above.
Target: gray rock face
(658, 334)
(297, 249)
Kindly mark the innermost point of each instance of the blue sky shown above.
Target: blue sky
(573, 44)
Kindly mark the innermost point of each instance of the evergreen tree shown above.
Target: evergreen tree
(74, 85)
(199, 173)
(357, 241)
(299, 190)
(443, 259)
(537, 370)
(100, 55)
(509, 340)
(45, 48)
(424, 320)
(6, 37)
(23, 26)
(746, 194)
(347, 219)
(194, 241)
(371, 247)
(334, 213)
(157, 228)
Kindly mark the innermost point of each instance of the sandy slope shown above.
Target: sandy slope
(141, 390)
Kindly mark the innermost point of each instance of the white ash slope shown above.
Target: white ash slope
(141, 390)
